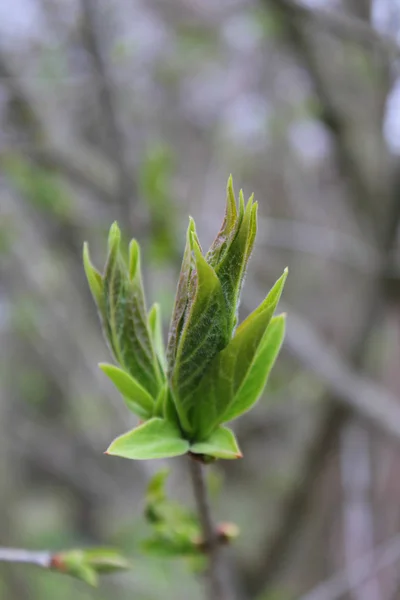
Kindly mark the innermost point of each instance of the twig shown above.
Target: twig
(216, 589)
(16, 555)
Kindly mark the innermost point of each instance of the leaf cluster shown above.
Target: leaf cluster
(212, 370)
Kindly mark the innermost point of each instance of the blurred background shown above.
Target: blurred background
(139, 111)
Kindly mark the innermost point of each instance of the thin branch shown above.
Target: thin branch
(298, 41)
(216, 588)
(32, 557)
(385, 555)
(59, 146)
(345, 26)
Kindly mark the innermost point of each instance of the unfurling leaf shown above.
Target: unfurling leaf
(155, 326)
(88, 564)
(157, 438)
(136, 398)
(232, 263)
(126, 314)
(203, 335)
(181, 299)
(256, 379)
(94, 278)
(229, 370)
(175, 529)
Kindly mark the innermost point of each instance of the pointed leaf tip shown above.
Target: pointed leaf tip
(114, 236)
(134, 258)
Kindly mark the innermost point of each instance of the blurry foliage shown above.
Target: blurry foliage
(38, 185)
(176, 530)
(155, 187)
(195, 43)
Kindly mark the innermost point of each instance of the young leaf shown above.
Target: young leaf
(230, 368)
(204, 334)
(159, 407)
(155, 326)
(232, 264)
(105, 560)
(170, 412)
(156, 438)
(87, 564)
(136, 398)
(219, 245)
(257, 376)
(181, 299)
(95, 280)
(72, 562)
(126, 314)
(156, 486)
(221, 444)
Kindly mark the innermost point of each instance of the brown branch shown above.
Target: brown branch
(216, 588)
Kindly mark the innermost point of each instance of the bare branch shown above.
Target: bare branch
(58, 146)
(298, 40)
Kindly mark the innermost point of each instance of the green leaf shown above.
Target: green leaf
(159, 407)
(181, 298)
(157, 438)
(230, 368)
(136, 398)
(221, 444)
(72, 562)
(126, 314)
(156, 486)
(219, 245)
(170, 545)
(95, 280)
(230, 258)
(203, 335)
(155, 326)
(170, 412)
(106, 560)
(257, 376)
(87, 564)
